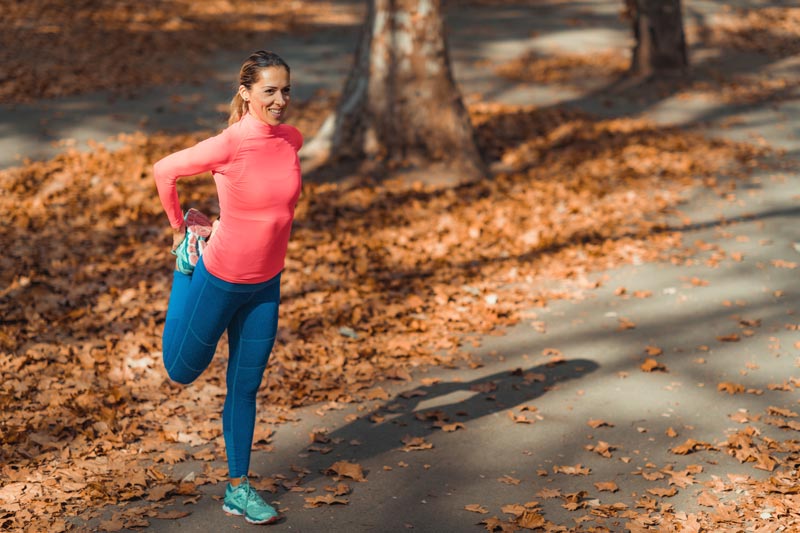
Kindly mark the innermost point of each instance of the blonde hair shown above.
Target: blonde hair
(248, 75)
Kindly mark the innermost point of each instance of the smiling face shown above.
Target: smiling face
(268, 98)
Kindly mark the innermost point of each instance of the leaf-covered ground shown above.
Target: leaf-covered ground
(382, 278)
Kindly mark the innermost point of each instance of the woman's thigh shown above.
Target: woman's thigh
(252, 331)
(193, 330)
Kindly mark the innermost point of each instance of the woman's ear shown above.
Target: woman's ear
(244, 93)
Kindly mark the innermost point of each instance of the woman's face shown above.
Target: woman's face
(269, 96)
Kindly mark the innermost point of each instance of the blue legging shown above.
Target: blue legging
(201, 307)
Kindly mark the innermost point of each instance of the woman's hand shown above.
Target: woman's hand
(177, 237)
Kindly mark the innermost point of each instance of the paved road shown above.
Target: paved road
(493, 461)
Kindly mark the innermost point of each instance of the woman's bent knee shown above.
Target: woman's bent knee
(180, 377)
(179, 372)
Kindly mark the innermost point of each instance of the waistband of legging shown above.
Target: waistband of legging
(234, 287)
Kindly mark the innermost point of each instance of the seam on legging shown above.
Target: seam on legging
(201, 341)
(265, 339)
(187, 365)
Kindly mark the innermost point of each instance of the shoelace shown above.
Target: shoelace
(251, 494)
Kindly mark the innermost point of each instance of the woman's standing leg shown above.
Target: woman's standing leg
(251, 335)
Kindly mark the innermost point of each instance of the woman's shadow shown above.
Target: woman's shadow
(406, 420)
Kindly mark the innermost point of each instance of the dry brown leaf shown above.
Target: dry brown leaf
(531, 520)
(606, 486)
(730, 388)
(159, 492)
(707, 499)
(346, 469)
(415, 444)
(326, 499)
(494, 524)
(690, 446)
(449, 428)
(601, 448)
(651, 365)
(547, 493)
(514, 508)
(652, 476)
(781, 412)
(662, 493)
(577, 470)
(653, 350)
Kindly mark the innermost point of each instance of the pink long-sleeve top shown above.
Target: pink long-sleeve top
(257, 173)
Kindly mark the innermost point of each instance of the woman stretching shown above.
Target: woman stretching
(235, 283)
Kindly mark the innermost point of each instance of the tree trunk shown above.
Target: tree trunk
(400, 107)
(660, 41)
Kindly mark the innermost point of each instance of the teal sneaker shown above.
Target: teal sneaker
(198, 231)
(244, 500)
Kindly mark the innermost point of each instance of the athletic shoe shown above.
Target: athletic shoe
(244, 500)
(188, 252)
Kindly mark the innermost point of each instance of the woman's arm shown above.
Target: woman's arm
(208, 155)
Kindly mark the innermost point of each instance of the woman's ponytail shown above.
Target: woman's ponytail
(238, 108)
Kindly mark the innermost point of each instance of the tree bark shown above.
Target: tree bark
(660, 40)
(400, 107)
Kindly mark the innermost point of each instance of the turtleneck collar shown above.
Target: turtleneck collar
(259, 125)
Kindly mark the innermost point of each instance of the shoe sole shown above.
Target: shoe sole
(262, 522)
(231, 510)
(237, 512)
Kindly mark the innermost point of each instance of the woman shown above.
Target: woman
(235, 283)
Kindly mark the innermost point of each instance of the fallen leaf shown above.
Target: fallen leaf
(707, 499)
(606, 486)
(782, 412)
(730, 388)
(346, 469)
(326, 499)
(548, 493)
(531, 520)
(415, 444)
(576, 470)
(662, 493)
(596, 423)
(159, 492)
(653, 350)
(690, 446)
(651, 365)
